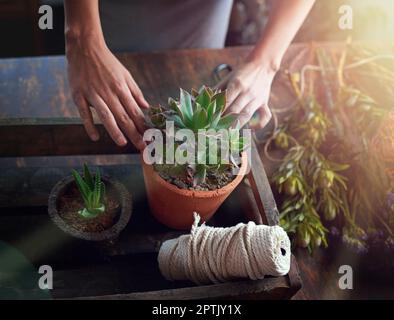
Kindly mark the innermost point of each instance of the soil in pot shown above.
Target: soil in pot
(71, 202)
(212, 181)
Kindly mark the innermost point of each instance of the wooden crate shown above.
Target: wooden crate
(127, 269)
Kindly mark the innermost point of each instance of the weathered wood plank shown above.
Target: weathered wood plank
(113, 282)
(237, 289)
(135, 273)
(53, 137)
(262, 190)
(295, 282)
(38, 87)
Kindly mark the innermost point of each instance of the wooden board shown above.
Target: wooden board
(43, 137)
(38, 87)
(127, 269)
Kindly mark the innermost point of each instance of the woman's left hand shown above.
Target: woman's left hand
(248, 90)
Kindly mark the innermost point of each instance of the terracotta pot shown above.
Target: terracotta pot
(123, 197)
(174, 207)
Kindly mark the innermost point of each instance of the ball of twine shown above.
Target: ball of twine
(214, 255)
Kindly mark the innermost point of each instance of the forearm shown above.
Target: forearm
(82, 23)
(286, 17)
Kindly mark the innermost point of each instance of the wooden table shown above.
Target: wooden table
(37, 87)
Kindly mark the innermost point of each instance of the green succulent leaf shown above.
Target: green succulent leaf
(81, 185)
(92, 213)
(175, 107)
(220, 99)
(226, 121)
(204, 98)
(200, 174)
(97, 188)
(215, 120)
(177, 121)
(92, 192)
(186, 104)
(196, 107)
(210, 91)
(200, 119)
(88, 177)
(211, 110)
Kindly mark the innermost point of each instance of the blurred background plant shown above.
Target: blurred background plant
(373, 21)
(338, 145)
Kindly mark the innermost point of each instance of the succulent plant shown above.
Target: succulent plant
(92, 192)
(201, 111)
(198, 110)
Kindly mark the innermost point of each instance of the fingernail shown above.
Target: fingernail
(95, 136)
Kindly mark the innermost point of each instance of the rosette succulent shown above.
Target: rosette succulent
(213, 145)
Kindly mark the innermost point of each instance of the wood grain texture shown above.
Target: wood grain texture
(262, 190)
(38, 87)
(238, 290)
(62, 136)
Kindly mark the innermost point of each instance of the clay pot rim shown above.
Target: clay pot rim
(202, 193)
(108, 234)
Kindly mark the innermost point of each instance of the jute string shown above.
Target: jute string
(213, 255)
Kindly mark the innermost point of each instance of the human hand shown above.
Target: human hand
(248, 91)
(99, 80)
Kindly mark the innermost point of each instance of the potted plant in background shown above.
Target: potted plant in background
(176, 190)
(90, 207)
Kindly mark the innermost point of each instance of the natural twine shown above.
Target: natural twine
(213, 255)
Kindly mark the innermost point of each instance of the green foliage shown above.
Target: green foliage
(330, 176)
(311, 184)
(92, 192)
(202, 112)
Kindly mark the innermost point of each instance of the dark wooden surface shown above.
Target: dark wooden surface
(37, 87)
(142, 236)
(125, 269)
(37, 137)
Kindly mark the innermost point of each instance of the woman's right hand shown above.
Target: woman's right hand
(97, 79)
